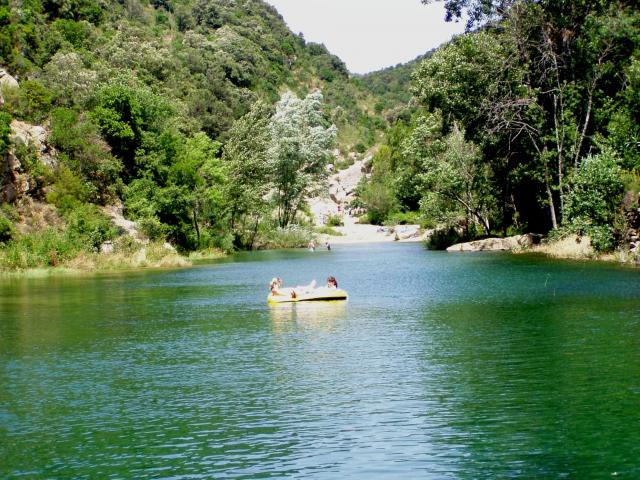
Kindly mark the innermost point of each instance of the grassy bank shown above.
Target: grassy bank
(574, 247)
(128, 257)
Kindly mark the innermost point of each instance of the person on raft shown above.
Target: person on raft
(332, 282)
(275, 285)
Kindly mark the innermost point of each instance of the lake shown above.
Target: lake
(452, 366)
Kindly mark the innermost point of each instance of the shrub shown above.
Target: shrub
(595, 190)
(68, 189)
(335, 221)
(591, 205)
(6, 230)
(5, 131)
(404, 218)
(153, 228)
(89, 226)
(47, 247)
(291, 236)
(325, 230)
(443, 238)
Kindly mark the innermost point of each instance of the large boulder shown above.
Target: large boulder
(6, 81)
(23, 133)
(497, 244)
(15, 182)
(115, 212)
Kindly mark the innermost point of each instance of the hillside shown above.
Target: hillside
(121, 93)
(391, 87)
(212, 59)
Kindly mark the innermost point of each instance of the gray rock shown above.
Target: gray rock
(23, 133)
(6, 81)
(496, 244)
(107, 247)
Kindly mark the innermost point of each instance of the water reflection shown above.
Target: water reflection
(463, 366)
(318, 315)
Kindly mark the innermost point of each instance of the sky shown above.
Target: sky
(369, 35)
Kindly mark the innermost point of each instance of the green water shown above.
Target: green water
(454, 366)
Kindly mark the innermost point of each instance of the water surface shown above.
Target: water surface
(440, 365)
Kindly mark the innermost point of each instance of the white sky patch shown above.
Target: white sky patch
(370, 35)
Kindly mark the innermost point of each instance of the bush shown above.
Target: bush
(325, 230)
(5, 131)
(404, 218)
(6, 230)
(292, 236)
(443, 238)
(47, 247)
(335, 221)
(89, 226)
(595, 191)
(152, 228)
(591, 206)
(68, 189)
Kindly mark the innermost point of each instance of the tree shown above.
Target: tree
(199, 176)
(594, 196)
(246, 164)
(477, 12)
(300, 146)
(378, 193)
(453, 178)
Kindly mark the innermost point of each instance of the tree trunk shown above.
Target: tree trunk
(254, 233)
(195, 225)
(552, 208)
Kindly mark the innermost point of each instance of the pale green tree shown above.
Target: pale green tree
(246, 162)
(300, 147)
(453, 177)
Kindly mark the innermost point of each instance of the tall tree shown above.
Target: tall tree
(300, 147)
(246, 162)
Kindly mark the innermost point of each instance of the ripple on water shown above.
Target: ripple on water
(441, 366)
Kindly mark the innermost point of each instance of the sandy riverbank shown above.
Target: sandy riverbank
(353, 232)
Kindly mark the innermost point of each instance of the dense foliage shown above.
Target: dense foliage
(168, 107)
(211, 123)
(523, 123)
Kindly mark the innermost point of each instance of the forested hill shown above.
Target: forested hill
(137, 100)
(527, 123)
(391, 87)
(211, 124)
(210, 59)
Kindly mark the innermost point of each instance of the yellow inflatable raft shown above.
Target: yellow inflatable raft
(285, 295)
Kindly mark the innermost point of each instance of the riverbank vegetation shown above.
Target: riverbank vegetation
(528, 123)
(209, 124)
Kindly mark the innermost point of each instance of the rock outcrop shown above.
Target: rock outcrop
(37, 137)
(342, 187)
(6, 81)
(16, 182)
(497, 244)
(114, 212)
(631, 235)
